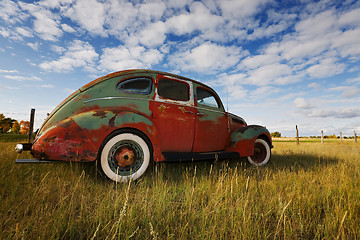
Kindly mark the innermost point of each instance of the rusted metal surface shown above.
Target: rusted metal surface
(242, 139)
(77, 128)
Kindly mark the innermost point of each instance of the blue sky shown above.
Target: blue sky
(275, 63)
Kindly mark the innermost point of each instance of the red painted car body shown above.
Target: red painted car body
(175, 116)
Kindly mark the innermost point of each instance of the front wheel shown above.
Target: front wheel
(262, 153)
(124, 156)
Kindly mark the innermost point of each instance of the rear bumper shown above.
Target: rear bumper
(20, 147)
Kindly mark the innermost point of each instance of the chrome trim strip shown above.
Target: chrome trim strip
(210, 110)
(109, 98)
(151, 100)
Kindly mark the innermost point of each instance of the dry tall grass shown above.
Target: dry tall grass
(307, 191)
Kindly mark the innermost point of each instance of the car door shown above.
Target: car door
(174, 114)
(211, 122)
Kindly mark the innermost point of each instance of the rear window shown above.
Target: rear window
(174, 90)
(136, 85)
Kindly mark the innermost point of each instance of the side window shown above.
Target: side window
(136, 85)
(206, 98)
(174, 90)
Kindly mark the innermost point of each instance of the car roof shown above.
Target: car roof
(137, 71)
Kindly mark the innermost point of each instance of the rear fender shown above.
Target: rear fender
(79, 137)
(242, 140)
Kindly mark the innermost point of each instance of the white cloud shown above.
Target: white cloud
(151, 11)
(9, 33)
(265, 91)
(153, 35)
(46, 86)
(199, 18)
(208, 57)
(67, 28)
(89, 14)
(22, 78)
(24, 32)
(8, 71)
(34, 46)
(351, 18)
(10, 12)
(79, 54)
(46, 24)
(120, 58)
(302, 103)
(347, 42)
(232, 9)
(314, 85)
(325, 68)
(347, 91)
(267, 74)
(69, 91)
(354, 80)
(252, 62)
(337, 113)
(316, 24)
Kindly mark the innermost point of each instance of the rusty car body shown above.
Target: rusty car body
(126, 119)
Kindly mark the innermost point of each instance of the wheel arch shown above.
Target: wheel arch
(267, 139)
(242, 140)
(127, 130)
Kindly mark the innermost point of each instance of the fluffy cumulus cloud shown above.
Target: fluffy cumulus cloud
(208, 57)
(89, 14)
(45, 23)
(325, 68)
(122, 57)
(79, 54)
(302, 103)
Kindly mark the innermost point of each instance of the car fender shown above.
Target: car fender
(242, 140)
(79, 137)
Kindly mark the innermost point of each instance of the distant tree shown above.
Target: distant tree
(24, 127)
(15, 127)
(5, 123)
(275, 134)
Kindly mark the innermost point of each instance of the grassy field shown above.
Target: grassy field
(307, 191)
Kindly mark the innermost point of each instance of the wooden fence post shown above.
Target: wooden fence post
(297, 135)
(31, 128)
(355, 137)
(322, 136)
(341, 137)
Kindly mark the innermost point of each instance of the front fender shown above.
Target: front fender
(242, 140)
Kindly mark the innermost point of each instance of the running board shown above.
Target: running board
(33, 161)
(186, 157)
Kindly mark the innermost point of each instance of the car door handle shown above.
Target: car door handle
(199, 114)
(185, 111)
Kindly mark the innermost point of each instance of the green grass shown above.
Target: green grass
(19, 138)
(307, 191)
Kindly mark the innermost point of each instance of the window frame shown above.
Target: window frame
(190, 102)
(149, 90)
(199, 105)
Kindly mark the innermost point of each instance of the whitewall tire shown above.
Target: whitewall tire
(124, 156)
(262, 153)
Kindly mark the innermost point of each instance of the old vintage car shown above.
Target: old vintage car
(126, 119)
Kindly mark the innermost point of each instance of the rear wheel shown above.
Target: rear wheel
(124, 156)
(262, 153)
